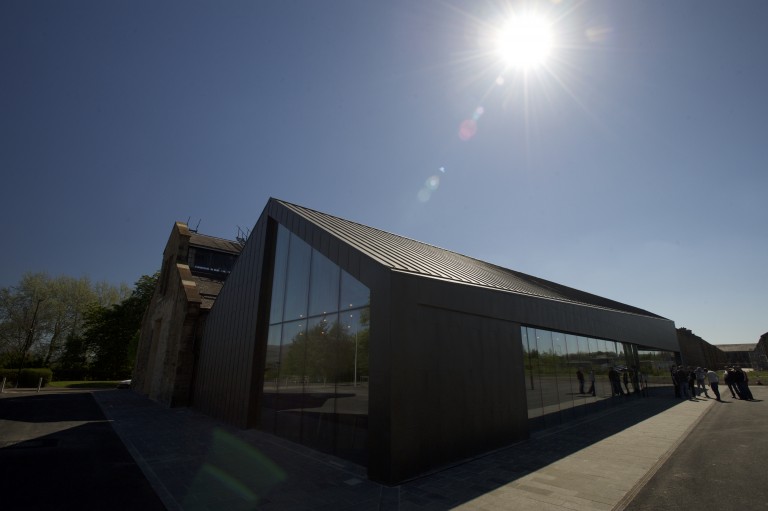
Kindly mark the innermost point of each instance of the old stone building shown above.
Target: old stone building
(194, 269)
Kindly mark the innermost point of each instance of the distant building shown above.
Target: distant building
(696, 352)
(761, 353)
(194, 269)
(739, 354)
(399, 355)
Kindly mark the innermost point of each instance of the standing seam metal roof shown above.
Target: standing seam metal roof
(212, 242)
(406, 255)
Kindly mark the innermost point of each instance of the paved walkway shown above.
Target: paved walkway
(597, 463)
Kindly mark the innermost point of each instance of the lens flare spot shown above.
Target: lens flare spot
(424, 195)
(499, 80)
(598, 34)
(468, 129)
(442, 169)
(432, 182)
(479, 111)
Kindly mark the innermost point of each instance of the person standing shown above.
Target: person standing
(591, 383)
(615, 379)
(636, 379)
(675, 384)
(580, 377)
(681, 381)
(691, 375)
(728, 377)
(625, 378)
(700, 377)
(742, 384)
(713, 381)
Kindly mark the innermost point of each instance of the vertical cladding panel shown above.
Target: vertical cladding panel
(257, 353)
(241, 346)
(230, 375)
(251, 306)
(262, 271)
(219, 310)
(236, 397)
(459, 391)
(246, 335)
(380, 368)
(227, 346)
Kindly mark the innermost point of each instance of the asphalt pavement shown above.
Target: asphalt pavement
(59, 452)
(721, 464)
(639, 454)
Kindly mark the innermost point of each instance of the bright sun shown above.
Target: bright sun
(525, 41)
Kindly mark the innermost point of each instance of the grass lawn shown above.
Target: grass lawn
(83, 384)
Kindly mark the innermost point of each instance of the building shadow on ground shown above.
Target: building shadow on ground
(471, 478)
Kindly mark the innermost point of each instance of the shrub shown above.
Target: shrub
(28, 377)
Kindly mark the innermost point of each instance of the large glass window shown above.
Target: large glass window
(568, 375)
(656, 366)
(210, 262)
(316, 372)
(297, 279)
(324, 286)
(278, 275)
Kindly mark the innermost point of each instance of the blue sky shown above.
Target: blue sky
(633, 165)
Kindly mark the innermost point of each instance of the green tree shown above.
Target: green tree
(40, 313)
(111, 332)
(22, 317)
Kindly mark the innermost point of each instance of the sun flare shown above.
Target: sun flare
(525, 41)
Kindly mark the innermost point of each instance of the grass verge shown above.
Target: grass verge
(83, 384)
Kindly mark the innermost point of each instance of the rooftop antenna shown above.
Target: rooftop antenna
(197, 226)
(242, 235)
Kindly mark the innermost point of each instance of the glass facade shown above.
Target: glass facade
(567, 375)
(657, 365)
(316, 372)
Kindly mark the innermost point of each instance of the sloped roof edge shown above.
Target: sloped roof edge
(402, 254)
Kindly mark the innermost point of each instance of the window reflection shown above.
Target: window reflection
(353, 293)
(278, 276)
(555, 363)
(297, 279)
(316, 371)
(324, 286)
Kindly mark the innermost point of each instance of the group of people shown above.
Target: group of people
(738, 383)
(689, 382)
(637, 379)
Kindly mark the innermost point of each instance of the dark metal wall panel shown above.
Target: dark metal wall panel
(224, 386)
(649, 331)
(458, 388)
(381, 370)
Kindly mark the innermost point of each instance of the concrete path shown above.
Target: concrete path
(597, 463)
(601, 462)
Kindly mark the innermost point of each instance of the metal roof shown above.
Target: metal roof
(406, 255)
(220, 244)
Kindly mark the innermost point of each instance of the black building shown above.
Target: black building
(401, 355)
